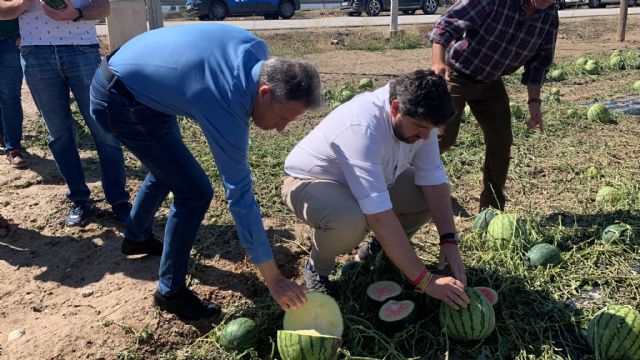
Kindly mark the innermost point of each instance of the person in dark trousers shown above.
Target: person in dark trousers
(475, 43)
(220, 83)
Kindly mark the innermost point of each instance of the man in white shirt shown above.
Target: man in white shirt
(374, 163)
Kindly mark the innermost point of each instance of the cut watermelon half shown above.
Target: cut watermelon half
(396, 312)
(321, 313)
(381, 291)
(490, 294)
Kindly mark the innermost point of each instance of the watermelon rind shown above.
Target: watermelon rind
(475, 322)
(396, 312)
(483, 219)
(618, 233)
(240, 334)
(543, 255)
(380, 291)
(307, 345)
(320, 313)
(614, 333)
(490, 294)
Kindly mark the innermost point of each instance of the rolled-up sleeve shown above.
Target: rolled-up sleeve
(359, 153)
(535, 70)
(461, 16)
(429, 169)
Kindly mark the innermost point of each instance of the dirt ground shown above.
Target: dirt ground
(64, 288)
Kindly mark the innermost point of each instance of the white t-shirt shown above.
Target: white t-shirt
(355, 146)
(36, 28)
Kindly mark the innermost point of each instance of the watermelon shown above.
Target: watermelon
(543, 255)
(365, 83)
(490, 294)
(503, 230)
(307, 345)
(483, 219)
(636, 85)
(240, 334)
(593, 172)
(609, 195)
(614, 333)
(557, 75)
(467, 112)
(321, 313)
(582, 61)
(396, 312)
(327, 94)
(516, 110)
(619, 233)
(383, 290)
(345, 95)
(599, 113)
(554, 91)
(571, 113)
(475, 322)
(592, 67)
(617, 62)
(636, 65)
(348, 268)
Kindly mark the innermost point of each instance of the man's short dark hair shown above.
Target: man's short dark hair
(422, 94)
(292, 80)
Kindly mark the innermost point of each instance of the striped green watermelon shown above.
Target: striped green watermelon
(240, 334)
(504, 230)
(543, 255)
(483, 219)
(592, 67)
(599, 113)
(609, 195)
(581, 61)
(321, 313)
(614, 333)
(307, 345)
(476, 322)
(636, 85)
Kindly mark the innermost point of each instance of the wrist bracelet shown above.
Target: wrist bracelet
(534, 101)
(420, 277)
(448, 238)
(422, 286)
(449, 242)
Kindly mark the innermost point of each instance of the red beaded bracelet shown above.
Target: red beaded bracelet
(420, 277)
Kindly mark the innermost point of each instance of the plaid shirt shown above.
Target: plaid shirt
(486, 39)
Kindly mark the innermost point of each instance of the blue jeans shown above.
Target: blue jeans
(10, 86)
(50, 71)
(155, 139)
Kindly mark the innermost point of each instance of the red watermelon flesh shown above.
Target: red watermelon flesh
(490, 294)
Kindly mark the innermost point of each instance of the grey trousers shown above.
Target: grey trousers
(338, 222)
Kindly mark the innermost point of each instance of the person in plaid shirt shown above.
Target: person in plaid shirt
(475, 43)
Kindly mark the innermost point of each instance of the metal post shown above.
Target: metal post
(154, 13)
(394, 15)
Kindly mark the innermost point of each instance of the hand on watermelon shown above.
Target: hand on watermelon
(449, 290)
(285, 292)
(67, 14)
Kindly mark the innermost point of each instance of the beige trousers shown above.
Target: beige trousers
(338, 222)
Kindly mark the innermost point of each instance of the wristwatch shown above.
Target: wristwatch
(80, 15)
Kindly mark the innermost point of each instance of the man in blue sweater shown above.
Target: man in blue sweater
(220, 83)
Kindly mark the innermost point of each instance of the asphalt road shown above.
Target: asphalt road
(348, 21)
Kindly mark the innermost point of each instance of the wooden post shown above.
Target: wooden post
(126, 20)
(154, 10)
(622, 20)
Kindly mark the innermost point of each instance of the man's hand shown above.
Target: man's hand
(449, 290)
(442, 69)
(12, 9)
(67, 14)
(536, 117)
(287, 293)
(438, 64)
(449, 254)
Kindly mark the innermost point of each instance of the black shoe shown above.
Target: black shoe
(151, 246)
(315, 281)
(79, 213)
(186, 305)
(121, 212)
(368, 250)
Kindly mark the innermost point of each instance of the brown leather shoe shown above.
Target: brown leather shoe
(17, 160)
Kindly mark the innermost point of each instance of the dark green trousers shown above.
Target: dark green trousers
(489, 104)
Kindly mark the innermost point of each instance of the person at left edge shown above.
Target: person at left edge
(221, 83)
